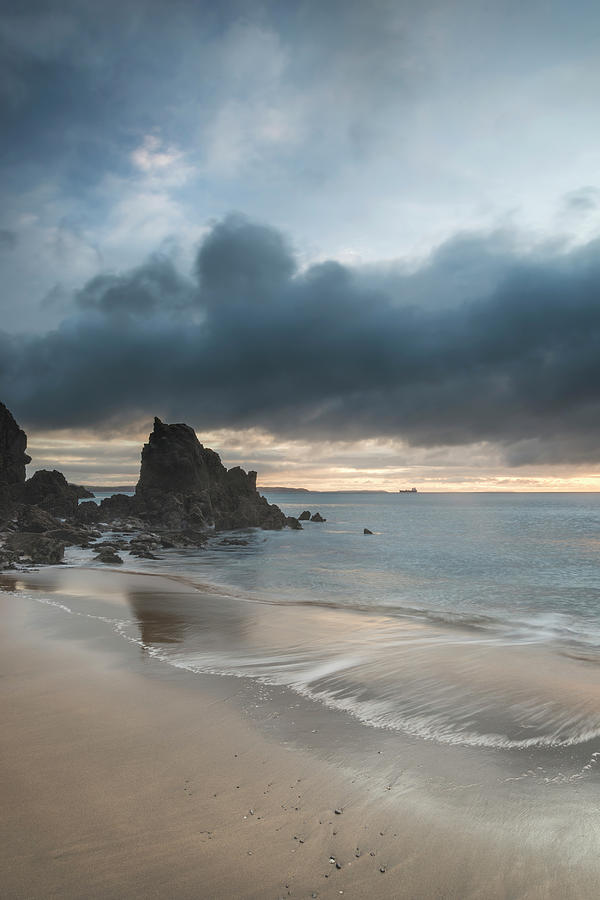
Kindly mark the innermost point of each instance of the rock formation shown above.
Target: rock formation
(183, 490)
(50, 491)
(13, 459)
(184, 485)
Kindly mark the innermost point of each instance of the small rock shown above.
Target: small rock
(109, 556)
(338, 812)
(367, 531)
(383, 869)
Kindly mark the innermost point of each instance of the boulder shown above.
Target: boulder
(109, 556)
(117, 506)
(35, 520)
(50, 491)
(88, 513)
(366, 531)
(293, 523)
(39, 548)
(304, 516)
(317, 518)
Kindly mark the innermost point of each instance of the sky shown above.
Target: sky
(355, 245)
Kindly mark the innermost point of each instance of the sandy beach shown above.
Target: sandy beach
(125, 777)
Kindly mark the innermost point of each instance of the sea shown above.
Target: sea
(463, 619)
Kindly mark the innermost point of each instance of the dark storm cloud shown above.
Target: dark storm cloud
(327, 352)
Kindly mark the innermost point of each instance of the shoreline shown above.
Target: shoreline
(113, 761)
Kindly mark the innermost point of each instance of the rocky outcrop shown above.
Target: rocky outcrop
(317, 518)
(13, 459)
(50, 491)
(304, 516)
(183, 491)
(184, 485)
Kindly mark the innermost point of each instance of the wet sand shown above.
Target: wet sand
(123, 777)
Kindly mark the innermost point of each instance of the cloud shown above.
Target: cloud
(584, 200)
(155, 287)
(328, 353)
(8, 239)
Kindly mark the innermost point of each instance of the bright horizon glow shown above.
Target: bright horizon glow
(88, 458)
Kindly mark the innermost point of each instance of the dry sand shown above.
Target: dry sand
(124, 779)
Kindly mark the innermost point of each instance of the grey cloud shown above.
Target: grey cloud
(241, 258)
(8, 239)
(332, 354)
(583, 200)
(154, 286)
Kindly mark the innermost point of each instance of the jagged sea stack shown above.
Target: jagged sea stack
(184, 485)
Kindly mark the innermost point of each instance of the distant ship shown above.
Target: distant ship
(407, 491)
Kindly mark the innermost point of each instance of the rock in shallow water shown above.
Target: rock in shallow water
(109, 556)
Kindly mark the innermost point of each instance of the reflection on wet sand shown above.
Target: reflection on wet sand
(173, 617)
(445, 684)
